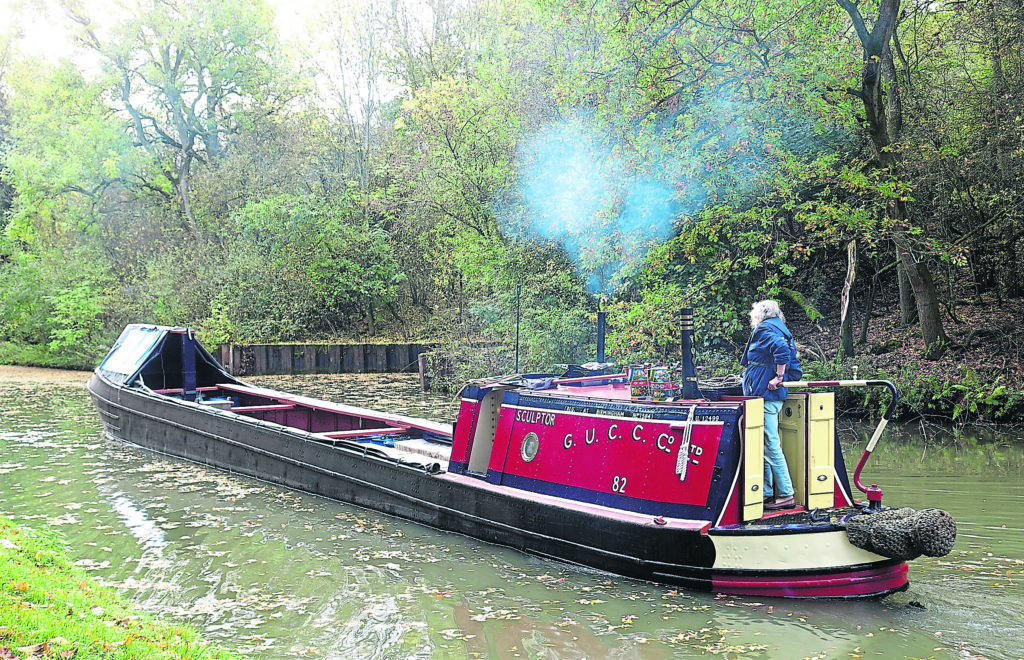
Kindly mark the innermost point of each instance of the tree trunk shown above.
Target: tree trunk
(185, 196)
(927, 303)
(371, 318)
(846, 338)
(877, 61)
(908, 306)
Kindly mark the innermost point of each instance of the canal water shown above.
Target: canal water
(266, 570)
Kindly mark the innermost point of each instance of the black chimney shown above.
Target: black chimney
(600, 336)
(690, 388)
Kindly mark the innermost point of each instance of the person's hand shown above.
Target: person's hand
(775, 383)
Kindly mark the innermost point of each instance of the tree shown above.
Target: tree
(782, 64)
(879, 92)
(6, 190)
(452, 150)
(313, 264)
(352, 60)
(187, 76)
(66, 152)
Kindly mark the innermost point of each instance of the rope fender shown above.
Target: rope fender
(903, 533)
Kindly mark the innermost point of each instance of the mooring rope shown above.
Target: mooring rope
(720, 382)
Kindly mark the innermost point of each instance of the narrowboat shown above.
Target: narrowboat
(577, 469)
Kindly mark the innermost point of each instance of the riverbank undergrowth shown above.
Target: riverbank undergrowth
(978, 378)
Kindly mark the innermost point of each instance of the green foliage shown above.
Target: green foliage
(968, 398)
(218, 328)
(53, 306)
(23, 283)
(75, 313)
(301, 267)
(65, 150)
(648, 329)
(556, 317)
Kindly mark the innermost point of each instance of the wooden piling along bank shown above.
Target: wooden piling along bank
(259, 359)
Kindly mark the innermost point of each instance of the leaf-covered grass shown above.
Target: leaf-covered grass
(51, 609)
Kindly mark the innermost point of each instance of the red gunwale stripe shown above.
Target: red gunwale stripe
(836, 585)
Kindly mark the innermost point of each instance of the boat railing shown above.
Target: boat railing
(586, 379)
(270, 407)
(873, 492)
(181, 390)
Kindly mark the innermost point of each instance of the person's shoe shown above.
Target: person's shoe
(780, 503)
(768, 500)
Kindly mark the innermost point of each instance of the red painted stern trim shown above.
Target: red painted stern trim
(853, 584)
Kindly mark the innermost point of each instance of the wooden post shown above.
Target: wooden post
(261, 361)
(378, 358)
(359, 358)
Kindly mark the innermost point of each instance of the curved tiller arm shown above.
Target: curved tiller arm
(874, 492)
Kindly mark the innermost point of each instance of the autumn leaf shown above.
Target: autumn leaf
(42, 648)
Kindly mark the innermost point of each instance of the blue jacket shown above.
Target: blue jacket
(769, 345)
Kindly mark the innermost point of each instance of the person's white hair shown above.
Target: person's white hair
(765, 309)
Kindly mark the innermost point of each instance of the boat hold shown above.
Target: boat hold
(568, 468)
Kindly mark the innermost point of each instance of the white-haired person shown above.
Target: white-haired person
(770, 353)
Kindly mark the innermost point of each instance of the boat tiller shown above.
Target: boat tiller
(874, 491)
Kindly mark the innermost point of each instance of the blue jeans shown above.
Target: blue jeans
(776, 471)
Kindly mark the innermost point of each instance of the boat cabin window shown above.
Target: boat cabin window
(132, 348)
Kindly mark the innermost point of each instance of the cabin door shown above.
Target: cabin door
(486, 426)
(807, 428)
(753, 458)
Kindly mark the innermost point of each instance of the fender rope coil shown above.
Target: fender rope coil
(720, 382)
(903, 533)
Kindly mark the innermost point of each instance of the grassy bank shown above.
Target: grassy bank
(51, 609)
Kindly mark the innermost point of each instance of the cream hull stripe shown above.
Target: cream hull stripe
(789, 551)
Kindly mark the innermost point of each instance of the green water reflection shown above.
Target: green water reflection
(264, 569)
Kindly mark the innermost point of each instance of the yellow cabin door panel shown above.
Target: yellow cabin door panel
(753, 459)
(486, 425)
(821, 449)
(793, 432)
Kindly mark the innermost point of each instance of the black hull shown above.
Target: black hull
(286, 457)
(631, 545)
